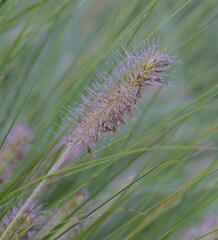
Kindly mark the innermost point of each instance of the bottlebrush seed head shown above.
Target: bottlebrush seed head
(13, 143)
(110, 102)
(28, 217)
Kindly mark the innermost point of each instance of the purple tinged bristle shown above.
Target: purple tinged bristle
(109, 103)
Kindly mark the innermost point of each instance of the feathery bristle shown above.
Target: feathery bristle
(109, 103)
(28, 217)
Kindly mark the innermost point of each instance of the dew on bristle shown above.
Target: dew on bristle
(108, 104)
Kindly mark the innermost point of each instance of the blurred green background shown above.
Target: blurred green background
(50, 50)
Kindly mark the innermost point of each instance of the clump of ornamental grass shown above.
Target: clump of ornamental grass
(111, 102)
(27, 218)
(13, 152)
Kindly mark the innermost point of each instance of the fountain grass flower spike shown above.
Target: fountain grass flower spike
(13, 150)
(28, 217)
(109, 103)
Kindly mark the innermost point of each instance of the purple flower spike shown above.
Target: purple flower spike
(108, 104)
(28, 217)
(15, 140)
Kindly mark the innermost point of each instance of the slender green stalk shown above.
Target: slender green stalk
(38, 188)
